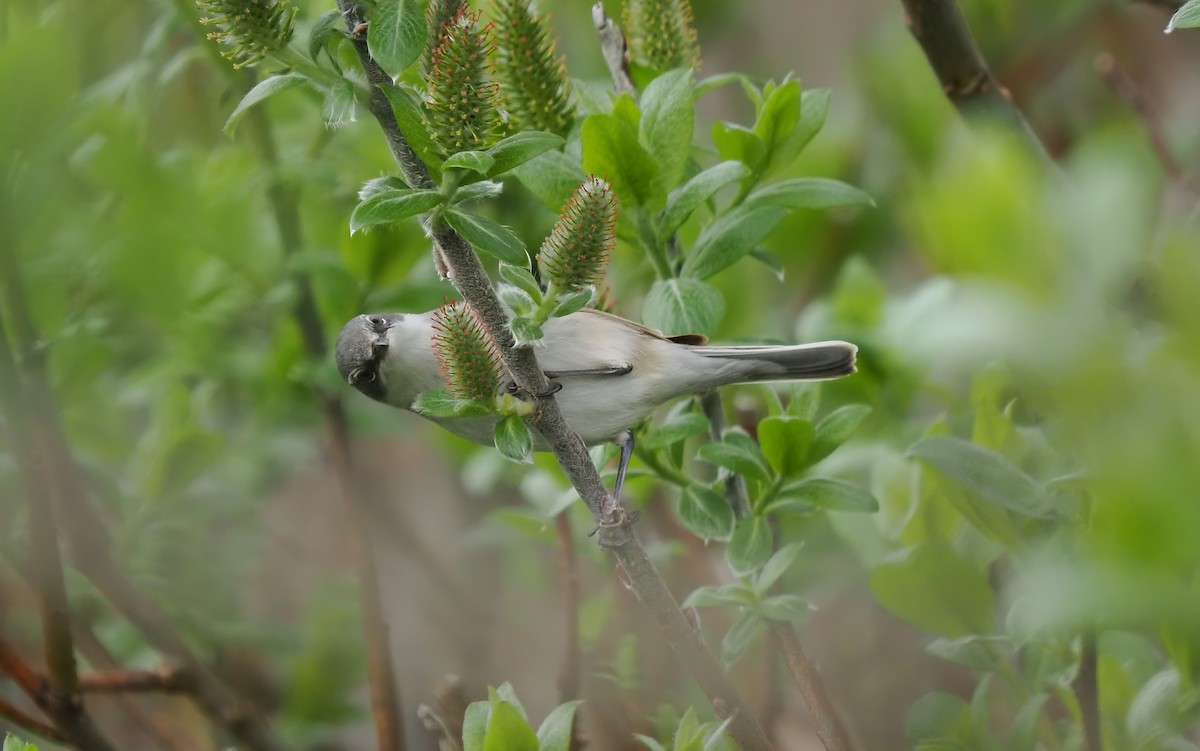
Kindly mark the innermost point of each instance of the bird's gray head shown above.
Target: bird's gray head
(361, 347)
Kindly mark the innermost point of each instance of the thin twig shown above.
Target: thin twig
(385, 694)
(30, 723)
(808, 680)
(166, 680)
(735, 485)
(90, 542)
(568, 576)
(1129, 93)
(613, 47)
(1087, 691)
(615, 533)
(942, 32)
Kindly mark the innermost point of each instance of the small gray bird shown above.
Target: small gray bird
(612, 372)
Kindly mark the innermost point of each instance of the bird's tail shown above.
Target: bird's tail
(797, 362)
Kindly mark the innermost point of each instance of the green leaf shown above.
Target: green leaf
(392, 205)
(1187, 17)
(410, 116)
(521, 277)
(740, 637)
(831, 495)
(706, 512)
(730, 237)
(786, 608)
(933, 587)
(397, 34)
(263, 89)
(743, 457)
(676, 428)
(13, 743)
(836, 428)
(476, 161)
(611, 149)
(340, 103)
(573, 302)
(488, 236)
(985, 473)
(505, 692)
(555, 731)
(736, 143)
(519, 148)
(475, 725)
(327, 24)
(443, 403)
(689, 733)
(507, 730)
(1025, 724)
(785, 441)
(750, 546)
(649, 742)
(770, 260)
(668, 113)
(552, 177)
(688, 197)
(814, 108)
(779, 115)
(723, 596)
(525, 330)
(975, 651)
(514, 440)
(515, 299)
(475, 190)
(683, 306)
(777, 566)
(938, 716)
(809, 193)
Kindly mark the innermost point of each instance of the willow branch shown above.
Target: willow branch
(385, 694)
(568, 572)
(166, 680)
(1087, 690)
(735, 485)
(968, 83)
(614, 49)
(30, 723)
(615, 533)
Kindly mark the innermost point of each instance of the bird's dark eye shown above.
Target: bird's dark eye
(377, 321)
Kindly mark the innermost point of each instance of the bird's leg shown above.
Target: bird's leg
(625, 442)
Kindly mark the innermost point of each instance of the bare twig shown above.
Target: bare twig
(30, 723)
(90, 543)
(735, 485)
(166, 680)
(1087, 691)
(385, 695)
(612, 46)
(568, 572)
(808, 680)
(942, 32)
(615, 534)
(1129, 93)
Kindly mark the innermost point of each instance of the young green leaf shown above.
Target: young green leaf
(737, 143)
(706, 513)
(410, 117)
(785, 441)
(751, 545)
(554, 734)
(729, 238)
(519, 148)
(394, 205)
(488, 236)
(611, 148)
(836, 428)
(668, 112)
(551, 177)
(263, 89)
(525, 330)
(740, 637)
(573, 302)
(809, 193)
(476, 161)
(515, 299)
(985, 473)
(724, 596)
(831, 495)
(397, 34)
(933, 587)
(507, 730)
(340, 103)
(779, 116)
(736, 456)
(683, 306)
(520, 276)
(475, 725)
(777, 566)
(514, 440)
(688, 197)
(975, 651)
(676, 428)
(481, 189)
(327, 25)
(786, 608)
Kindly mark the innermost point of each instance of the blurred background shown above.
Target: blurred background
(1047, 314)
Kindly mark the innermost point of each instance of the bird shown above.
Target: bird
(609, 372)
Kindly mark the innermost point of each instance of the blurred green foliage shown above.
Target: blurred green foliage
(1025, 418)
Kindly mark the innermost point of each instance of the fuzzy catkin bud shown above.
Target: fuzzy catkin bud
(576, 252)
(468, 357)
(254, 28)
(463, 112)
(533, 79)
(661, 34)
(437, 16)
